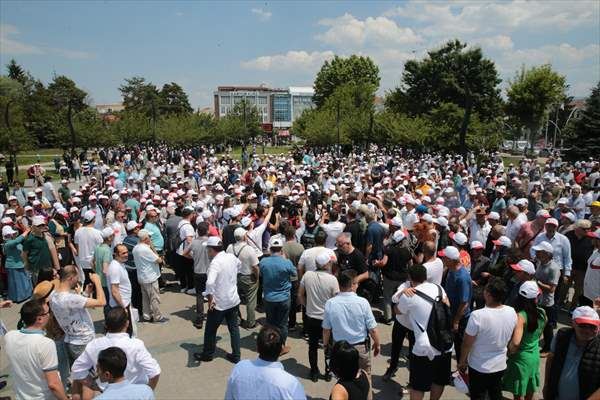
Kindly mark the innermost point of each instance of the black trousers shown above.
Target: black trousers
(293, 304)
(315, 332)
(184, 269)
(483, 386)
(549, 327)
(136, 291)
(458, 336)
(399, 333)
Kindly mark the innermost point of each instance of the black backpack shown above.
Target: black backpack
(439, 326)
(308, 237)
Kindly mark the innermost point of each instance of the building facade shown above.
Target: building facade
(279, 107)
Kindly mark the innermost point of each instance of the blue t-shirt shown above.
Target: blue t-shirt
(276, 272)
(568, 383)
(374, 237)
(459, 290)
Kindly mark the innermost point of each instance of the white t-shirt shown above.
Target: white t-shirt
(185, 229)
(402, 318)
(435, 270)
(418, 310)
(307, 259)
(117, 275)
(30, 355)
(87, 238)
(319, 287)
(146, 266)
(246, 254)
(492, 328)
(591, 282)
(72, 316)
(333, 230)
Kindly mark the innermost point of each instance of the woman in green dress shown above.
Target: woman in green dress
(522, 376)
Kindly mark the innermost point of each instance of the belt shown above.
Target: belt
(360, 343)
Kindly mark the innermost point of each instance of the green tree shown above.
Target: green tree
(452, 74)
(341, 71)
(142, 97)
(174, 100)
(584, 139)
(16, 72)
(532, 94)
(184, 130)
(244, 123)
(67, 100)
(12, 132)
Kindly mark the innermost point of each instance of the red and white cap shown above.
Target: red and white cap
(460, 238)
(552, 221)
(450, 252)
(595, 234)
(503, 241)
(525, 266)
(476, 244)
(585, 315)
(543, 213)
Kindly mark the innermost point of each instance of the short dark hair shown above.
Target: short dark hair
(31, 310)
(116, 319)
(320, 238)
(417, 273)
(269, 343)
(290, 232)
(496, 288)
(310, 218)
(113, 360)
(202, 228)
(333, 216)
(344, 361)
(67, 271)
(117, 247)
(345, 278)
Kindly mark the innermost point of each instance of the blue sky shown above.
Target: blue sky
(201, 45)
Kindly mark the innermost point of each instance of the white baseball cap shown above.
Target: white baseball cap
(529, 290)
(323, 258)
(494, 215)
(552, 221)
(89, 215)
(239, 233)
(246, 222)
(38, 220)
(544, 246)
(213, 241)
(131, 225)
(144, 233)
(398, 236)
(107, 232)
(275, 242)
(460, 238)
(8, 230)
(525, 266)
(441, 221)
(450, 252)
(476, 244)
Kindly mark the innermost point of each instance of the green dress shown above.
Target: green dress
(522, 373)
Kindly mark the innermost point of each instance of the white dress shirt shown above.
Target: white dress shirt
(259, 379)
(141, 366)
(221, 282)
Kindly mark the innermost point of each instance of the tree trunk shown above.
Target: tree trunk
(71, 129)
(462, 139)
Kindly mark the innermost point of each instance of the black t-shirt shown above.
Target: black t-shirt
(354, 260)
(358, 237)
(228, 237)
(396, 268)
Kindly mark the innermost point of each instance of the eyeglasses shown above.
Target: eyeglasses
(44, 314)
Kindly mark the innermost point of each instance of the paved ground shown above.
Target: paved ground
(184, 378)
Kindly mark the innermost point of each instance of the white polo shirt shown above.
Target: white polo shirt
(30, 354)
(221, 281)
(147, 268)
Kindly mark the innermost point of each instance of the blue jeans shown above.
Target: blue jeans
(213, 320)
(277, 315)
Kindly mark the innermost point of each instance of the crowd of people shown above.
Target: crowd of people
(464, 256)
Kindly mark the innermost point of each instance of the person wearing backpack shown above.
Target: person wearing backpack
(310, 231)
(427, 308)
(459, 287)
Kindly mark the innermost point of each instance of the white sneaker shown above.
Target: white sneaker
(191, 291)
(183, 290)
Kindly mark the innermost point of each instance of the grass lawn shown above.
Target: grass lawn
(237, 151)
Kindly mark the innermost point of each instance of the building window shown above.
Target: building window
(262, 100)
(281, 108)
(225, 100)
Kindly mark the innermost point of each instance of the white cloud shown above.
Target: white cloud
(497, 42)
(179, 14)
(563, 56)
(349, 32)
(9, 45)
(263, 15)
(290, 61)
(483, 17)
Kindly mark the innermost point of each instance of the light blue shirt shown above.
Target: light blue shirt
(349, 317)
(157, 238)
(126, 391)
(262, 380)
(561, 247)
(277, 273)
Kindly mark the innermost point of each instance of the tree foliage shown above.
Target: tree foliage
(174, 100)
(453, 74)
(532, 94)
(584, 139)
(342, 71)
